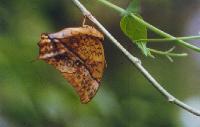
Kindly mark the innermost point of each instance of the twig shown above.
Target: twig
(169, 39)
(168, 53)
(136, 62)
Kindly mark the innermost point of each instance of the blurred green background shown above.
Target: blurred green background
(34, 94)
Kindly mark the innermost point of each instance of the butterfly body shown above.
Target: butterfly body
(79, 55)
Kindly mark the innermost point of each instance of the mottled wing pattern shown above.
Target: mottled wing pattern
(82, 70)
(86, 43)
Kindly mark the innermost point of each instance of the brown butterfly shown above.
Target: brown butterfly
(78, 54)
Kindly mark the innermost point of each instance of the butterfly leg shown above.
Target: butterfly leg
(84, 20)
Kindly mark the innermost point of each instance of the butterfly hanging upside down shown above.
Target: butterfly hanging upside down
(79, 55)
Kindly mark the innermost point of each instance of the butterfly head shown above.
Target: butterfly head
(44, 36)
(44, 39)
(45, 45)
(49, 47)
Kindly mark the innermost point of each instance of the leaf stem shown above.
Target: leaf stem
(149, 26)
(114, 7)
(165, 53)
(169, 39)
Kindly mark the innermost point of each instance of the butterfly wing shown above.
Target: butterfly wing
(77, 58)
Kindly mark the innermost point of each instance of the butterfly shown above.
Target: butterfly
(78, 54)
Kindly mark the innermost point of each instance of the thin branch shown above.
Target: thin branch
(166, 53)
(149, 26)
(169, 39)
(169, 53)
(136, 62)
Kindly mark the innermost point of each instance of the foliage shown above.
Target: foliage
(135, 31)
(135, 28)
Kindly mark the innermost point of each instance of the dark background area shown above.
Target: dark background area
(34, 94)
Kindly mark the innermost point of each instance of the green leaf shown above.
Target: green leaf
(134, 6)
(135, 31)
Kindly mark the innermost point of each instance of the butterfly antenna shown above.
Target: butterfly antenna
(34, 60)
